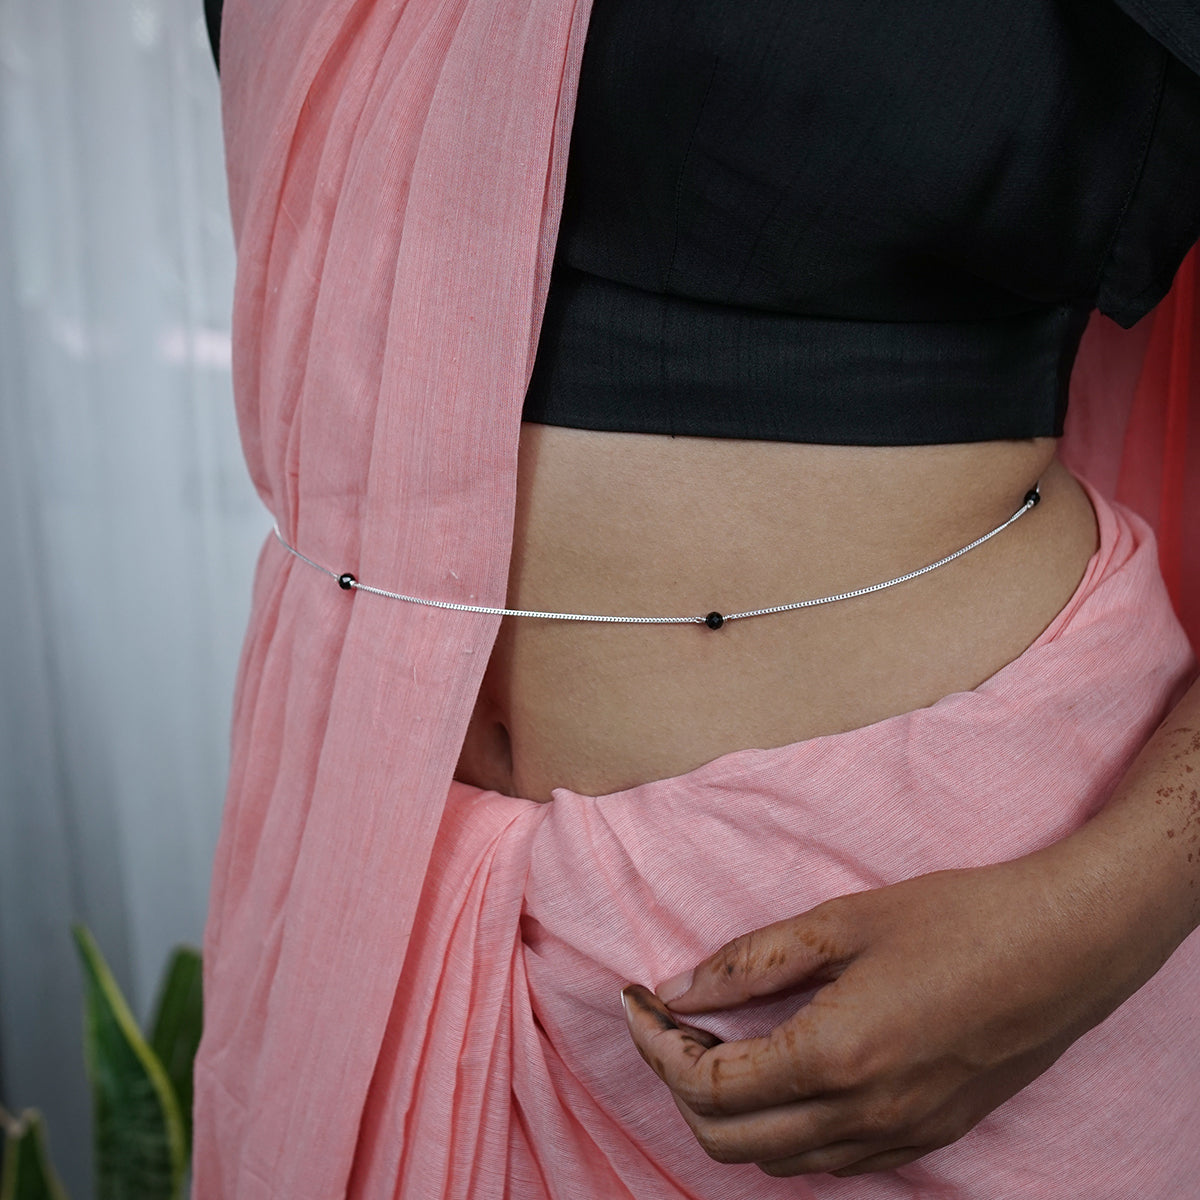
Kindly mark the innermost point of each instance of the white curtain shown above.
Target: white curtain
(128, 527)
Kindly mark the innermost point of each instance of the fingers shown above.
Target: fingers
(722, 1078)
(773, 1135)
(807, 949)
(843, 1159)
(888, 1161)
(835, 1159)
(775, 1139)
(736, 1117)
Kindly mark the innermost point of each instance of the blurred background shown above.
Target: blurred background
(128, 527)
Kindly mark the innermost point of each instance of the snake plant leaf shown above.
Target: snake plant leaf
(175, 1029)
(28, 1174)
(137, 1126)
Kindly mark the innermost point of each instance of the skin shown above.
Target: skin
(941, 996)
(913, 1038)
(630, 523)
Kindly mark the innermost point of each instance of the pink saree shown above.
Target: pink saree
(411, 987)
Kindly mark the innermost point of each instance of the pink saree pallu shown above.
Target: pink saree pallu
(507, 1071)
(411, 987)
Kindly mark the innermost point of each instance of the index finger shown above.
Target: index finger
(724, 1078)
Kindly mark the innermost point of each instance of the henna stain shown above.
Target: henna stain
(1170, 833)
(822, 946)
(698, 1042)
(648, 1003)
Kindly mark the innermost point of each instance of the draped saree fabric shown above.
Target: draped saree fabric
(401, 998)
(505, 1071)
(1133, 428)
(395, 175)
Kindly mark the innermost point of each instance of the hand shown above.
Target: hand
(943, 996)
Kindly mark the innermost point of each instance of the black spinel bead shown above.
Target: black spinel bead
(714, 620)
(1033, 496)
(347, 581)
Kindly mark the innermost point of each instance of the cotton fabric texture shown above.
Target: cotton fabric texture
(403, 994)
(506, 1032)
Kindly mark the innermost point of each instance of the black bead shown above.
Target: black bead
(714, 620)
(346, 581)
(1033, 496)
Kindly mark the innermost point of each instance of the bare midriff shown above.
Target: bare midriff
(642, 524)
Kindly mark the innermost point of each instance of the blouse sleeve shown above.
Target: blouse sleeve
(1161, 220)
(1175, 23)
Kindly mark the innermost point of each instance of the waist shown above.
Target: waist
(654, 525)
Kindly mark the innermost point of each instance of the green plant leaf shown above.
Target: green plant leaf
(175, 1029)
(28, 1173)
(138, 1130)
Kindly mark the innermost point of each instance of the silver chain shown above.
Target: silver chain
(713, 620)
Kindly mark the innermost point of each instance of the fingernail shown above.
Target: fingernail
(674, 987)
(625, 1002)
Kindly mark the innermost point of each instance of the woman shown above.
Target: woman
(883, 253)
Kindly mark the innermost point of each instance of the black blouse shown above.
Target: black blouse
(869, 222)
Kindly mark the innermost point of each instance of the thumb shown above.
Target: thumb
(811, 948)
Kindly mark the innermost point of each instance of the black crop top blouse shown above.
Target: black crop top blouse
(871, 222)
(868, 222)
